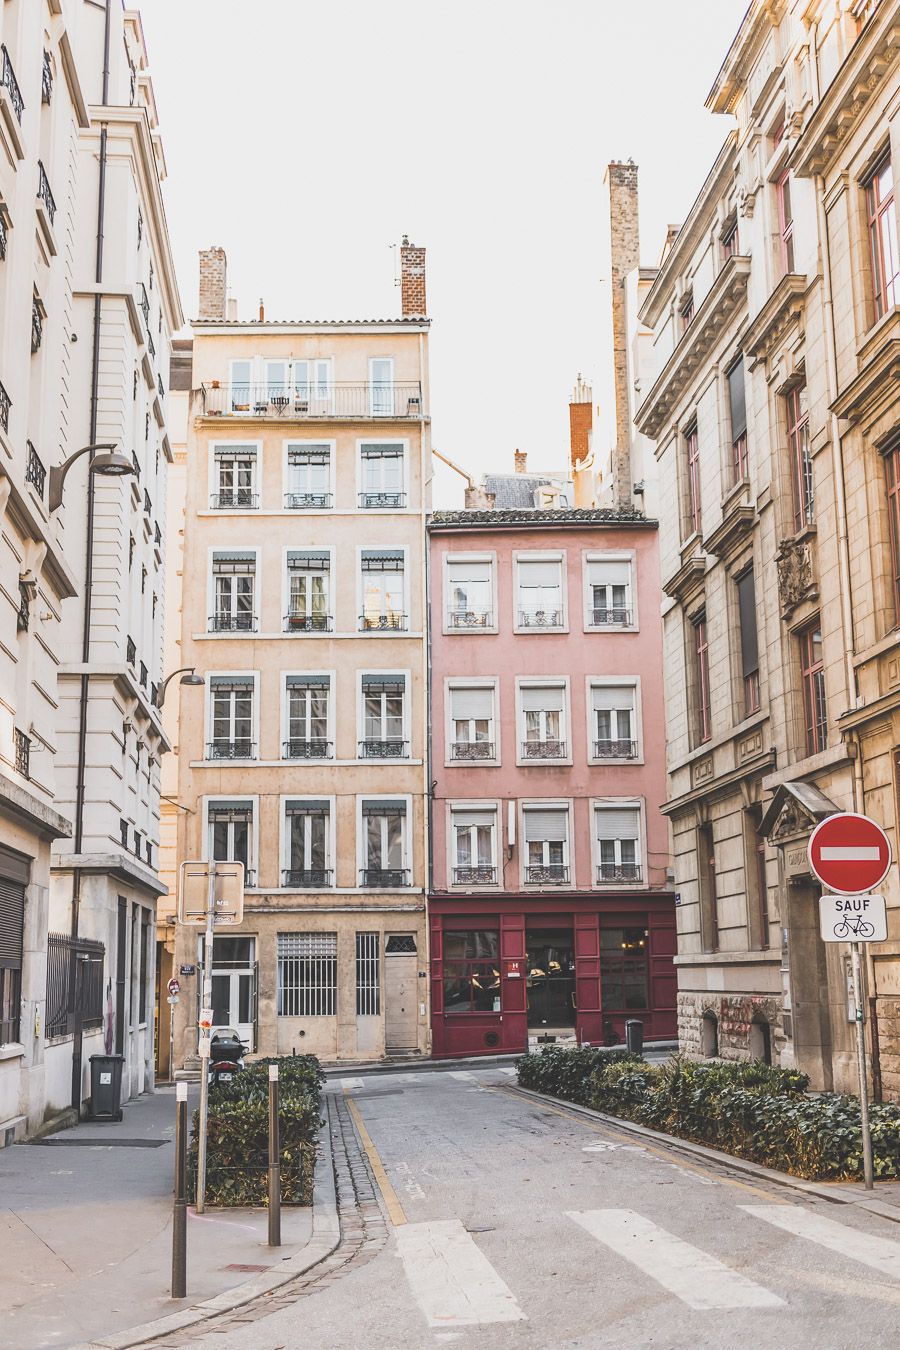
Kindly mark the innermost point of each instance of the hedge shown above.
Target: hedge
(751, 1110)
(237, 1155)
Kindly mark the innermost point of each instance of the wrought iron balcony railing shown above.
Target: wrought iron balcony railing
(130, 652)
(144, 303)
(381, 623)
(480, 875)
(5, 405)
(46, 79)
(469, 750)
(308, 623)
(4, 237)
(384, 877)
(232, 623)
(151, 345)
(22, 753)
(618, 872)
(44, 193)
(238, 749)
(148, 505)
(11, 84)
(307, 501)
(157, 534)
(608, 618)
(23, 617)
(306, 877)
(470, 618)
(386, 749)
(144, 675)
(540, 618)
(547, 874)
(315, 748)
(615, 749)
(543, 749)
(35, 473)
(37, 326)
(381, 501)
(137, 465)
(239, 500)
(336, 400)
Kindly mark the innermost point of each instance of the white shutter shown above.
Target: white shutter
(473, 816)
(460, 572)
(609, 573)
(471, 703)
(606, 697)
(539, 573)
(545, 826)
(618, 823)
(543, 698)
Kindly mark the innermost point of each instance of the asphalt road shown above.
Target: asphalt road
(513, 1224)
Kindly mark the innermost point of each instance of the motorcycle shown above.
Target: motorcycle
(226, 1056)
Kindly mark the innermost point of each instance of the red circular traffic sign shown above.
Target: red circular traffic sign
(849, 853)
(173, 986)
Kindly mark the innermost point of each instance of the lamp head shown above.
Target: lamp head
(111, 464)
(193, 679)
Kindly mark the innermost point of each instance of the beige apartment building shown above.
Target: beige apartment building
(303, 605)
(768, 384)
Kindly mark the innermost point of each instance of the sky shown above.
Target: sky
(307, 138)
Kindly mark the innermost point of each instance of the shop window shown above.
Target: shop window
(471, 971)
(624, 969)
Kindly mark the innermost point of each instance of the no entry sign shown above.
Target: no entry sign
(849, 853)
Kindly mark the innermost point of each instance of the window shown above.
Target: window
(755, 880)
(708, 889)
(381, 477)
(540, 593)
(543, 721)
(231, 717)
(307, 974)
(471, 971)
(14, 877)
(307, 717)
(368, 993)
(692, 468)
(234, 485)
(613, 722)
(308, 478)
(307, 851)
(384, 843)
(241, 385)
(469, 593)
(546, 832)
(311, 385)
(142, 967)
(474, 857)
(729, 240)
(308, 597)
(472, 723)
(703, 720)
(746, 598)
(802, 486)
(737, 405)
(624, 968)
(883, 237)
(230, 834)
(892, 479)
(383, 717)
(785, 221)
(234, 575)
(618, 832)
(812, 675)
(609, 592)
(381, 386)
(382, 590)
(686, 311)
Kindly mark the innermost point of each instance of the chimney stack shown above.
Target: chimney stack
(212, 283)
(521, 459)
(625, 257)
(262, 310)
(412, 278)
(581, 420)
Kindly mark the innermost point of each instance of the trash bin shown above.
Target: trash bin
(106, 1086)
(634, 1037)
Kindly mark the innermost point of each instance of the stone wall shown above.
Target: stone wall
(735, 1015)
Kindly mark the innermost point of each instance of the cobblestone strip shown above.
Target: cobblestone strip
(363, 1234)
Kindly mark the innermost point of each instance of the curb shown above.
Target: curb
(326, 1235)
(821, 1190)
(358, 1069)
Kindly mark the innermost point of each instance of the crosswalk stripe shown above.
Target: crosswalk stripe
(452, 1280)
(351, 1084)
(698, 1279)
(880, 1253)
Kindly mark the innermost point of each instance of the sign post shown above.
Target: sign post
(851, 854)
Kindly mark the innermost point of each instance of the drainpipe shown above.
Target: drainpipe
(424, 996)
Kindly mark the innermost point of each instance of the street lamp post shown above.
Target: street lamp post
(106, 461)
(189, 677)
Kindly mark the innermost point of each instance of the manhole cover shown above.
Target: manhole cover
(100, 1143)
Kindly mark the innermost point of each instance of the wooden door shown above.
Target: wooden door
(400, 993)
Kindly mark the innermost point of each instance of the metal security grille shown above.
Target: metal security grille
(74, 983)
(368, 993)
(307, 974)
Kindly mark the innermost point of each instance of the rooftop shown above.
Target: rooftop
(529, 519)
(408, 320)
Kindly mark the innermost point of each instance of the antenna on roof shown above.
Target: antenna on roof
(393, 248)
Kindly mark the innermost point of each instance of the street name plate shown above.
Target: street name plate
(852, 918)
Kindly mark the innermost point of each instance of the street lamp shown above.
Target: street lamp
(106, 461)
(188, 676)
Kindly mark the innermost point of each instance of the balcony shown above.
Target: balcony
(307, 501)
(239, 500)
(37, 326)
(336, 401)
(611, 618)
(470, 618)
(382, 623)
(144, 675)
(45, 196)
(384, 877)
(615, 749)
(144, 303)
(157, 535)
(474, 876)
(306, 877)
(4, 237)
(232, 623)
(308, 623)
(9, 82)
(5, 405)
(137, 465)
(148, 505)
(547, 874)
(543, 749)
(314, 748)
(239, 749)
(612, 872)
(46, 79)
(35, 473)
(471, 750)
(22, 753)
(382, 501)
(151, 345)
(23, 615)
(130, 652)
(540, 618)
(387, 749)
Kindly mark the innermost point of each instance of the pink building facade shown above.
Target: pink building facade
(551, 909)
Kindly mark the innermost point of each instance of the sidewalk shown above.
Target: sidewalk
(86, 1239)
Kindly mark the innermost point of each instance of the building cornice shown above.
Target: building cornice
(875, 385)
(785, 305)
(61, 579)
(25, 807)
(760, 19)
(487, 521)
(284, 327)
(130, 686)
(121, 866)
(720, 785)
(70, 71)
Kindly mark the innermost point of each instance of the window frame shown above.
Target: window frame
(557, 556)
(286, 712)
(750, 677)
(407, 842)
(330, 589)
(224, 676)
(211, 608)
(373, 410)
(599, 804)
(487, 558)
(740, 456)
(812, 684)
(232, 445)
(627, 556)
(403, 443)
(456, 806)
(632, 682)
(406, 720)
(332, 999)
(786, 250)
(800, 460)
(891, 458)
(690, 439)
(564, 805)
(491, 682)
(361, 590)
(559, 682)
(306, 443)
(284, 838)
(251, 871)
(702, 700)
(885, 290)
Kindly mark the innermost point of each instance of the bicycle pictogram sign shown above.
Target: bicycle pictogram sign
(852, 918)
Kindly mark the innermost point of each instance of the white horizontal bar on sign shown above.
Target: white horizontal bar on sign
(452, 1280)
(850, 854)
(698, 1279)
(881, 1253)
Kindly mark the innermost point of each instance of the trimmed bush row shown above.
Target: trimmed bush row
(237, 1157)
(749, 1109)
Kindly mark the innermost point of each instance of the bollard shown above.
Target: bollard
(179, 1216)
(274, 1161)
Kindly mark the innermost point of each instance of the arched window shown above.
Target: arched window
(761, 1039)
(709, 1035)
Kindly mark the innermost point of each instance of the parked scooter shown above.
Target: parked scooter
(226, 1056)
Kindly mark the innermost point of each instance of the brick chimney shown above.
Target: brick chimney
(212, 283)
(521, 461)
(581, 417)
(412, 278)
(625, 257)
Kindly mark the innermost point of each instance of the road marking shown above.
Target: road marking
(389, 1195)
(509, 1072)
(850, 854)
(350, 1084)
(698, 1279)
(878, 1252)
(451, 1278)
(463, 1076)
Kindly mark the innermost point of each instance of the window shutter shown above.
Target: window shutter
(309, 454)
(308, 807)
(473, 817)
(230, 810)
(235, 452)
(618, 823)
(388, 451)
(381, 560)
(308, 681)
(460, 572)
(539, 573)
(737, 399)
(545, 826)
(317, 561)
(383, 684)
(606, 697)
(612, 573)
(234, 562)
(542, 698)
(12, 923)
(384, 808)
(226, 684)
(471, 703)
(747, 613)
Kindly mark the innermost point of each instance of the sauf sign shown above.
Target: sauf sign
(853, 918)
